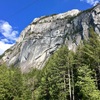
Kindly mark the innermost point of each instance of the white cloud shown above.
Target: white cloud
(4, 47)
(91, 2)
(4, 40)
(7, 31)
(9, 36)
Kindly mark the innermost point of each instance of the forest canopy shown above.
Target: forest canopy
(67, 75)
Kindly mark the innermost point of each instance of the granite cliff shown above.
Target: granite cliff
(47, 33)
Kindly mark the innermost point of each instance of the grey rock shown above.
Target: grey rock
(46, 34)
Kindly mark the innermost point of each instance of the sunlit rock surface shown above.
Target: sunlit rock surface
(45, 34)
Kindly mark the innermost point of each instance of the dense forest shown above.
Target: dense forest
(67, 75)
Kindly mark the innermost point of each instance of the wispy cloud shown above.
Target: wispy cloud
(4, 40)
(9, 36)
(7, 30)
(91, 2)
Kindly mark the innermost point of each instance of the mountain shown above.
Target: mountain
(46, 34)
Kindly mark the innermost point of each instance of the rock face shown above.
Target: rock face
(45, 34)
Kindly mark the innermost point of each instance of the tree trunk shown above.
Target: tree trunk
(65, 85)
(72, 84)
(69, 84)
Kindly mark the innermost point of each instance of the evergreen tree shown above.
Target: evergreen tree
(10, 83)
(89, 54)
(56, 81)
(16, 85)
(85, 85)
(4, 83)
(30, 83)
(66, 76)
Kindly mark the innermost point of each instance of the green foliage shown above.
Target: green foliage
(70, 18)
(86, 84)
(8, 50)
(30, 83)
(87, 68)
(66, 76)
(54, 81)
(4, 82)
(30, 33)
(16, 82)
(10, 83)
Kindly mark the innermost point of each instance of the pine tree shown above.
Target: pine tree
(15, 82)
(4, 83)
(30, 84)
(85, 85)
(89, 54)
(57, 82)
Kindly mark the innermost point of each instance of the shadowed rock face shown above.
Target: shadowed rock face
(44, 35)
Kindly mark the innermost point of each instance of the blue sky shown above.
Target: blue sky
(15, 15)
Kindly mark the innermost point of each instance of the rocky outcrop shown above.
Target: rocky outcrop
(45, 34)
